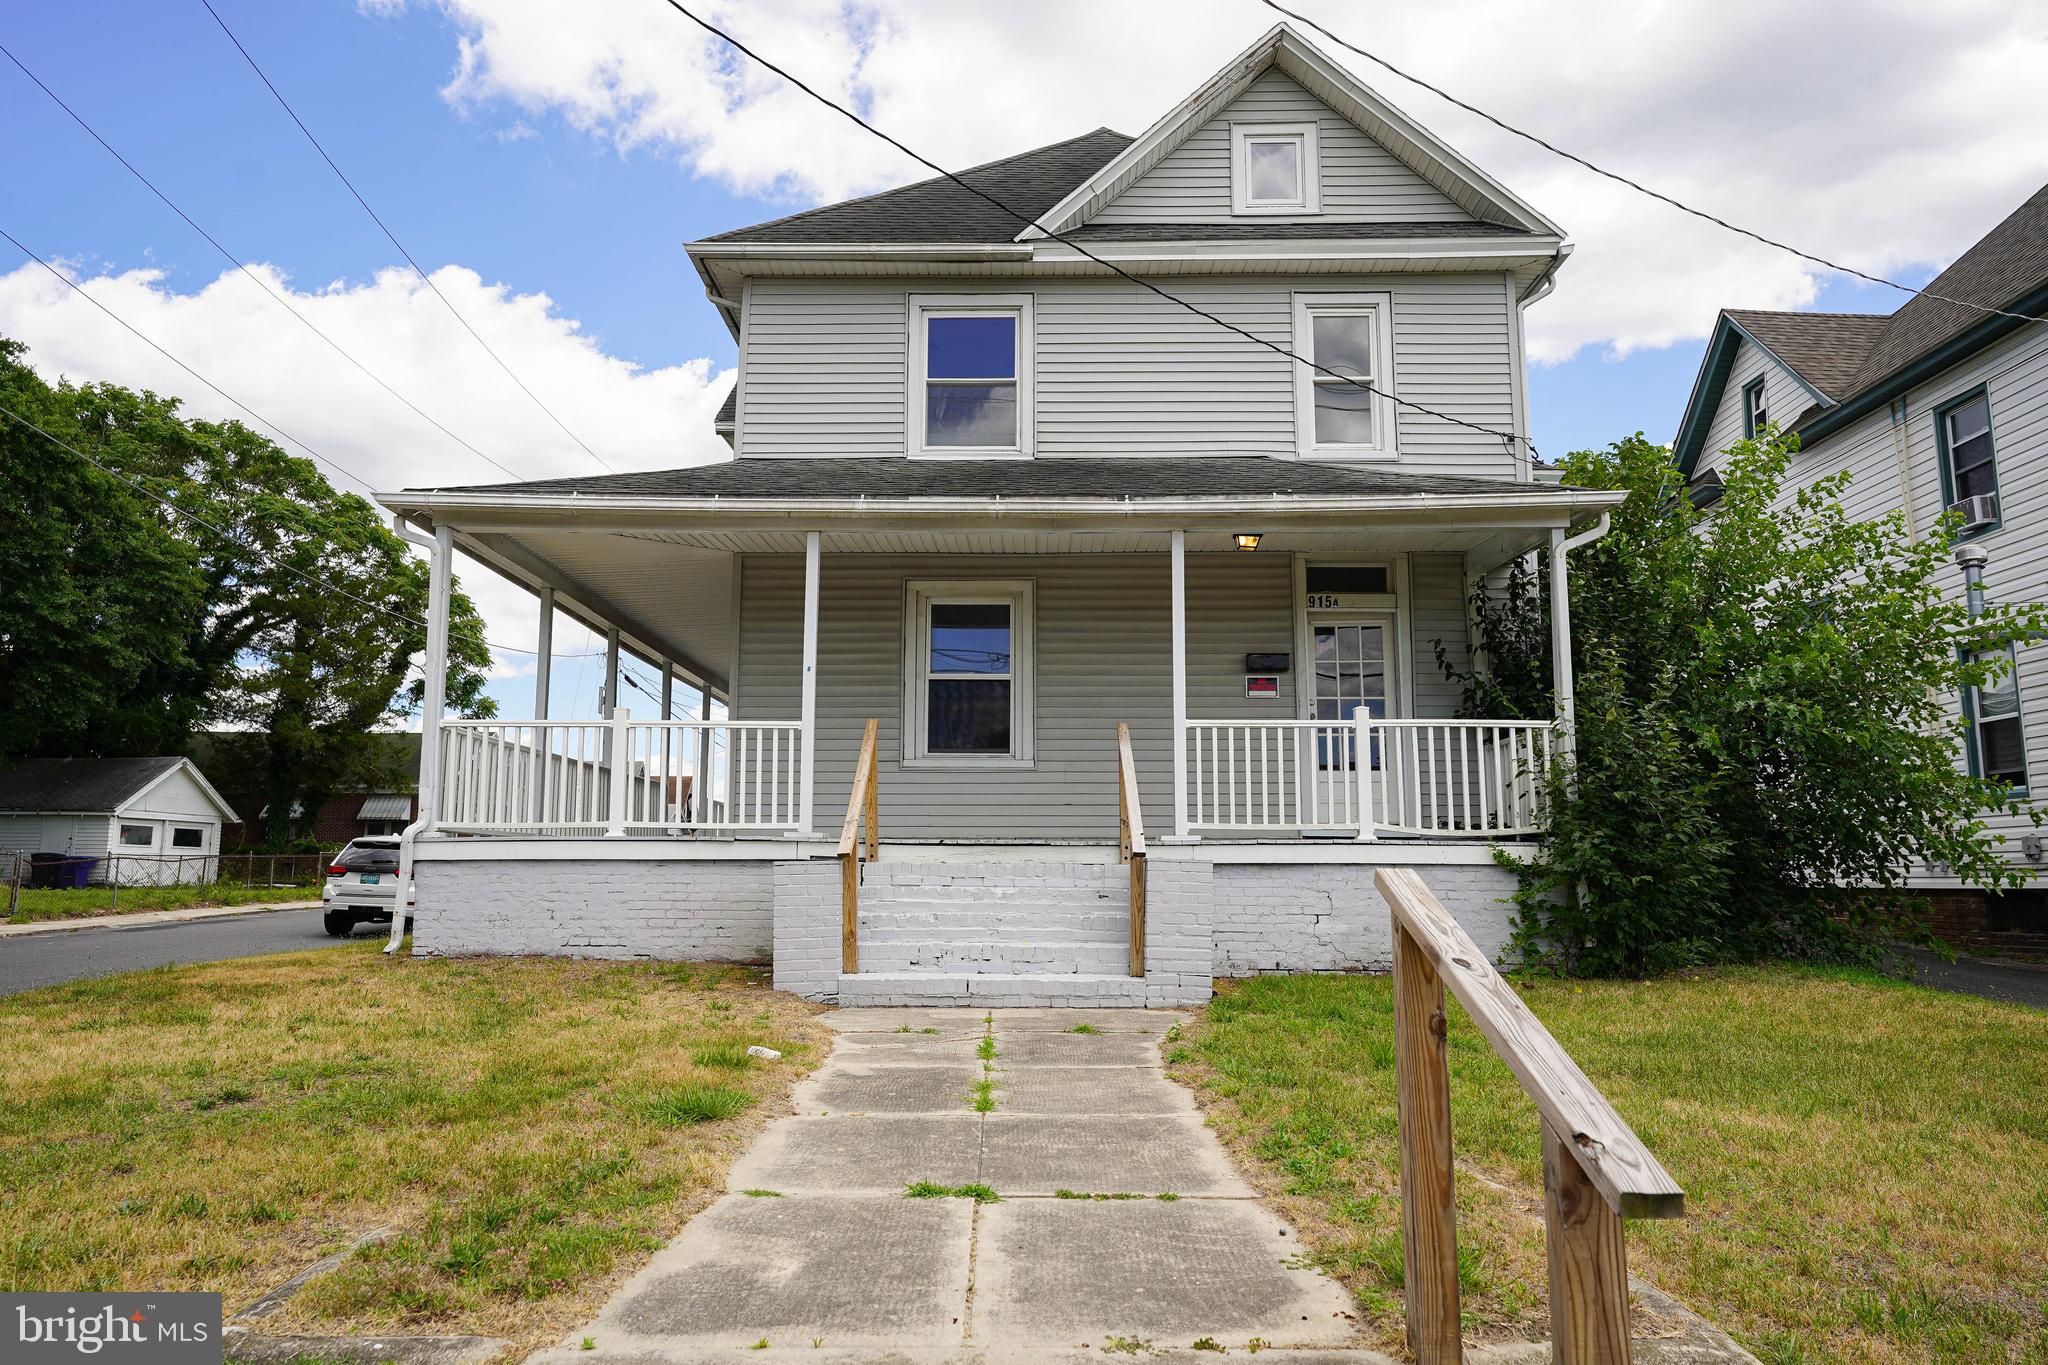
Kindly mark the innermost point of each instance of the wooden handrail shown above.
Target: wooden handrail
(865, 800)
(1131, 840)
(1596, 1171)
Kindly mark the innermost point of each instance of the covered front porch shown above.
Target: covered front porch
(1032, 699)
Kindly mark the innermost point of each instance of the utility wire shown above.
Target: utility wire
(226, 536)
(393, 239)
(254, 415)
(1506, 438)
(1637, 186)
(236, 261)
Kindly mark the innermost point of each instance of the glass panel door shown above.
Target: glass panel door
(1350, 672)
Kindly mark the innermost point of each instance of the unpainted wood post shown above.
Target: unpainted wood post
(1588, 1263)
(13, 885)
(849, 913)
(874, 804)
(1429, 1210)
(1138, 915)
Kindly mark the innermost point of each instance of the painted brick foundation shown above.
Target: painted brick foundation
(1329, 917)
(709, 911)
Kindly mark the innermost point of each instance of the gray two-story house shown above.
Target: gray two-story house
(1071, 599)
(1940, 406)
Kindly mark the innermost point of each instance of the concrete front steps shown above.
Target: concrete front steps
(995, 931)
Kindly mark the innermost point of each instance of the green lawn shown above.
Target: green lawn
(43, 904)
(1865, 1162)
(530, 1129)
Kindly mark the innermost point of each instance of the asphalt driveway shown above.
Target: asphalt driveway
(51, 959)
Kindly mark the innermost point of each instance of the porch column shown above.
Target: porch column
(668, 736)
(1561, 636)
(809, 742)
(611, 673)
(1180, 686)
(544, 654)
(440, 575)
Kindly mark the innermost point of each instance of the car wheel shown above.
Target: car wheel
(340, 923)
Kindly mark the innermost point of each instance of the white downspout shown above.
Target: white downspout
(441, 564)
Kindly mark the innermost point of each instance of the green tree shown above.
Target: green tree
(1766, 744)
(300, 615)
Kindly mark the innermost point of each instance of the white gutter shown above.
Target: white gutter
(440, 548)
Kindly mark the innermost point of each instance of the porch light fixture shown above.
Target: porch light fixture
(1248, 540)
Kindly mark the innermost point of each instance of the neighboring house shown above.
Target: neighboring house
(999, 500)
(381, 802)
(159, 816)
(1936, 406)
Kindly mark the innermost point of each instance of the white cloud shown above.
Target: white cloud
(1883, 135)
(635, 418)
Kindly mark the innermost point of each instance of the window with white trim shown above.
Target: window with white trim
(1343, 407)
(968, 672)
(970, 375)
(186, 837)
(1273, 168)
(138, 836)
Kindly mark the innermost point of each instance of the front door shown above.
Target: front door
(1351, 666)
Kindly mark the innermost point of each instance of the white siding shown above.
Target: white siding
(2014, 374)
(176, 797)
(1785, 398)
(1103, 656)
(1361, 180)
(1120, 371)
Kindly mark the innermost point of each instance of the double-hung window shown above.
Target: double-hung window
(1273, 168)
(968, 672)
(1756, 409)
(971, 375)
(1969, 464)
(1998, 743)
(1342, 404)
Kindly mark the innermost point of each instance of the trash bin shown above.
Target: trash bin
(78, 871)
(45, 870)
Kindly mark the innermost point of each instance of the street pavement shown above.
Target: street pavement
(50, 959)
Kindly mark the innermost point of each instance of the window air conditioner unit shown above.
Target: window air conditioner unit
(1977, 512)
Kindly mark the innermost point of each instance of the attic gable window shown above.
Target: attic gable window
(970, 375)
(1756, 411)
(1273, 168)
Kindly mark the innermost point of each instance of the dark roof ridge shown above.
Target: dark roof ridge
(914, 184)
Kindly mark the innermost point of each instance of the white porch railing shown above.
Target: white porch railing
(1479, 778)
(556, 777)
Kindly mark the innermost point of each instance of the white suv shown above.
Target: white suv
(362, 885)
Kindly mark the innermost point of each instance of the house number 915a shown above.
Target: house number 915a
(1324, 601)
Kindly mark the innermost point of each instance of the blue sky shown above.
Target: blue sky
(557, 174)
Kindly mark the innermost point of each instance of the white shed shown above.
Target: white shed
(159, 816)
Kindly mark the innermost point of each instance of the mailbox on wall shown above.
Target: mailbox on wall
(1265, 663)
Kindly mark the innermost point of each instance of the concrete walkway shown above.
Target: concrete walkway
(817, 1249)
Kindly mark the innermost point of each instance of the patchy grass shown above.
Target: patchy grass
(929, 1189)
(1865, 1162)
(530, 1128)
(82, 902)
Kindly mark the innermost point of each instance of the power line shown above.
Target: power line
(236, 261)
(227, 536)
(254, 415)
(1637, 186)
(1507, 438)
(393, 239)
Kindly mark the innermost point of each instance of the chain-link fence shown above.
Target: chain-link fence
(60, 886)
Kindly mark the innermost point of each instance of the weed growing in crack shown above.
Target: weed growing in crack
(931, 1189)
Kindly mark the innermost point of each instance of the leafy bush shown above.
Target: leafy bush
(1765, 736)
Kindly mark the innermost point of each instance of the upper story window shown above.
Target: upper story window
(1969, 464)
(971, 375)
(968, 677)
(1998, 742)
(1273, 168)
(1756, 410)
(1341, 404)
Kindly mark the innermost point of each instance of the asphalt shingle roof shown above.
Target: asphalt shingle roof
(78, 784)
(937, 210)
(1205, 476)
(1825, 349)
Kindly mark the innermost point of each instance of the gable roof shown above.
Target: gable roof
(1414, 146)
(1851, 362)
(91, 786)
(938, 210)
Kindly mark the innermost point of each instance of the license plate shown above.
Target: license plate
(371, 878)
